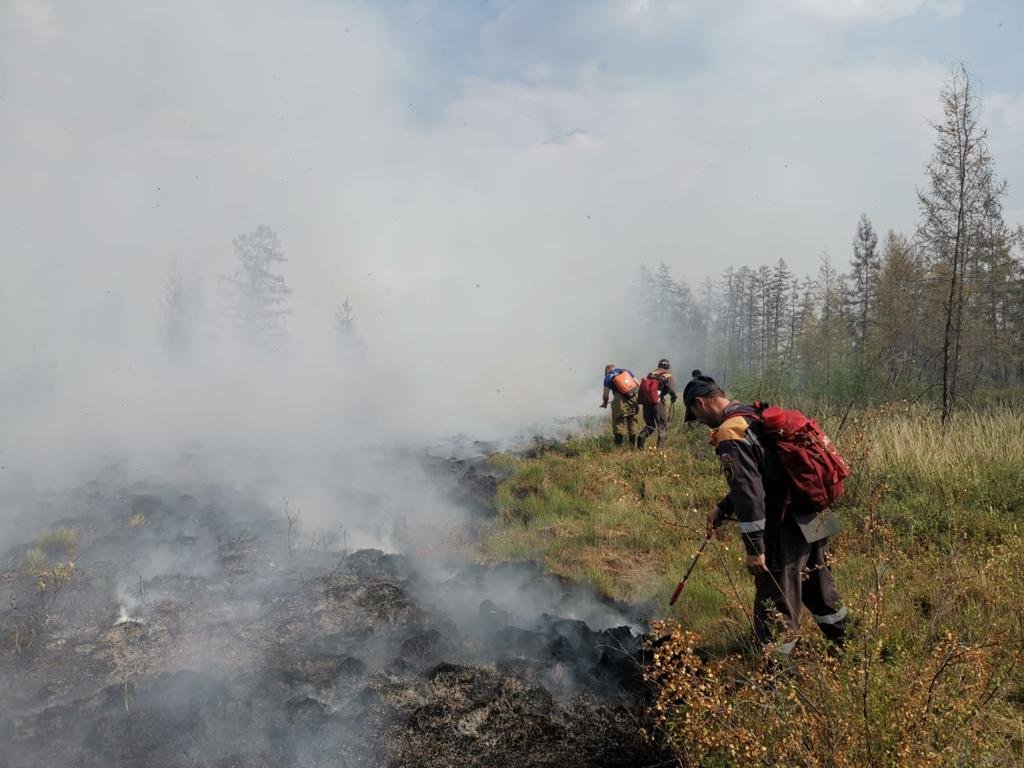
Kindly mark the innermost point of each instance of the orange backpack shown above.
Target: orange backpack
(625, 384)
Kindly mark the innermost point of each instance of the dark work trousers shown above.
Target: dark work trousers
(798, 575)
(655, 420)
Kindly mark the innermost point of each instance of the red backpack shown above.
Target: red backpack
(809, 458)
(650, 391)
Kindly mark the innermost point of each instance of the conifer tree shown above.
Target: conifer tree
(257, 295)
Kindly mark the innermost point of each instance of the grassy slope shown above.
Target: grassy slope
(931, 556)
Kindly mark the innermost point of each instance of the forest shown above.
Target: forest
(937, 312)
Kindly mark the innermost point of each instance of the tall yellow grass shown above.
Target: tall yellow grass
(914, 446)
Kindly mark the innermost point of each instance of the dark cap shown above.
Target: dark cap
(698, 386)
(663, 363)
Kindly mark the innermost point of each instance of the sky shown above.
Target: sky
(481, 179)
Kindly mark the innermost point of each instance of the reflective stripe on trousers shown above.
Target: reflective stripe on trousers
(832, 618)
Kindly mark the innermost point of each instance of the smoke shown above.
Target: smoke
(484, 211)
(138, 135)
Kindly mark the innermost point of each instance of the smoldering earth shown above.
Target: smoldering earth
(198, 627)
(267, 570)
(202, 627)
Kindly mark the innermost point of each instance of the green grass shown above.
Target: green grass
(589, 502)
(932, 557)
(620, 516)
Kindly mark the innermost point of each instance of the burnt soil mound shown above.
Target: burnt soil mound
(185, 638)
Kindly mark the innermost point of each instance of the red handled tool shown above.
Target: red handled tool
(681, 584)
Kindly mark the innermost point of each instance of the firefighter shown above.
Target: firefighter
(657, 414)
(625, 406)
(788, 571)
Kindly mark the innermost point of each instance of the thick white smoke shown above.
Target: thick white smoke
(485, 221)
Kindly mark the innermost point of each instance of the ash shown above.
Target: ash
(191, 637)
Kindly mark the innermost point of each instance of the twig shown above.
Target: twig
(842, 422)
(291, 524)
(126, 691)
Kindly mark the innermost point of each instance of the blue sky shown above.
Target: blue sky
(459, 40)
(985, 35)
(666, 47)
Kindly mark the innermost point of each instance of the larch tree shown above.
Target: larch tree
(258, 297)
(899, 311)
(344, 322)
(830, 298)
(174, 310)
(961, 193)
(864, 267)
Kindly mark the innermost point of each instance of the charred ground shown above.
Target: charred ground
(191, 632)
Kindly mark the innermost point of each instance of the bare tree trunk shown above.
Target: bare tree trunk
(955, 308)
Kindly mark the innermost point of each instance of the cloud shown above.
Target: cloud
(879, 10)
(1006, 115)
(36, 16)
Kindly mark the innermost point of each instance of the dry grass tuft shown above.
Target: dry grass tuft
(20, 639)
(55, 578)
(33, 561)
(49, 579)
(59, 540)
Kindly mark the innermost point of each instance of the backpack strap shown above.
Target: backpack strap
(756, 411)
(742, 409)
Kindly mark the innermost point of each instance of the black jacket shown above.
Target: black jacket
(758, 493)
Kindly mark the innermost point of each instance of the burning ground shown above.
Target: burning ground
(164, 629)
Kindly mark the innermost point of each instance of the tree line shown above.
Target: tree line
(939, 310)
(256, 300)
